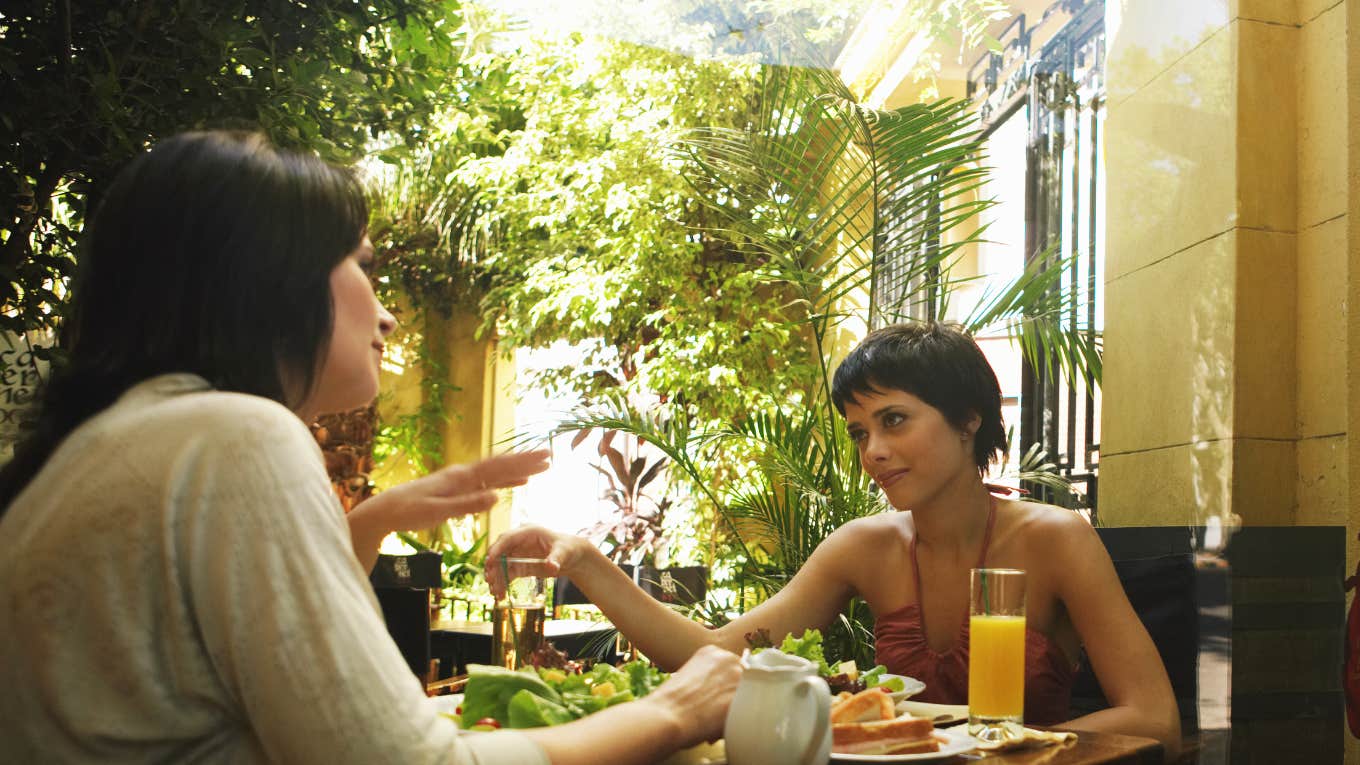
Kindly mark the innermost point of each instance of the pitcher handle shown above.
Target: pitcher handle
(821, 697)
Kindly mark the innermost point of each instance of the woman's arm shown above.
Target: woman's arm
(1122, 654)
(688, 708)
(811, 599)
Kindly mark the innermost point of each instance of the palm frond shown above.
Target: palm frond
(1039, 310)
(815, 186)
(1035, 467)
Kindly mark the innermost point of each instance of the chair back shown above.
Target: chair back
(1288, 616)
(1156, 566)
(402, 584)
(681, 585)
(419, 570)
(406, 610)
(566, 593)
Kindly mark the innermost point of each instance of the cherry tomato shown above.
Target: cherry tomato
(458, 710)
(491, 721)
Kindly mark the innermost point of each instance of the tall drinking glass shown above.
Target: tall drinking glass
(996, 654)
(517, 618)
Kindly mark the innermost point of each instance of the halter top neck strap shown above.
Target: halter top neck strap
(982, 559)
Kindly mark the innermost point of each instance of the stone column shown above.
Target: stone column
(1203, 324)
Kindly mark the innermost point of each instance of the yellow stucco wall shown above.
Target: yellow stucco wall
(1226, 263)
(1230, 127)
(1324, 197)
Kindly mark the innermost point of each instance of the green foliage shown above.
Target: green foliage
(460, 566)
(597, 239)
(636, 533)
(86, 86)
(428, 222)
(1036, 469)
(963, 23)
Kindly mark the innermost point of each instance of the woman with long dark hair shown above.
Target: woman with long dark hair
(177, 580)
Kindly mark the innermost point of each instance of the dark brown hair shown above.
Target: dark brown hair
(937, 363)
(209, 254)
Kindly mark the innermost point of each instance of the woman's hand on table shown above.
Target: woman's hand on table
(451, 492)
(561, 551)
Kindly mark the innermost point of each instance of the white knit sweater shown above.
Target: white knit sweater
(178, 585)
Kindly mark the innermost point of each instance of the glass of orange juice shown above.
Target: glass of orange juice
(996, 654)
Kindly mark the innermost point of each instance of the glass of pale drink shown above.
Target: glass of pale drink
(996, 654)
(517, 618)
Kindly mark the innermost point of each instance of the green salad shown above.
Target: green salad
(534, 698)
(844, 676)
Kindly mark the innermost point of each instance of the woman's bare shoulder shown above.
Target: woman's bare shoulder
(873, 527)
(1042, 516)
(1047, 526)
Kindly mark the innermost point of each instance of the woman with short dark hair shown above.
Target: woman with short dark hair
(924, 408)
(178, 582)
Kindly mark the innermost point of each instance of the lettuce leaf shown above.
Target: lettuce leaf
(489, 691)
(527, 710)
(528, 699)
(643, 678)
(809, 647)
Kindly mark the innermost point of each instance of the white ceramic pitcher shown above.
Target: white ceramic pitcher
(781, 713)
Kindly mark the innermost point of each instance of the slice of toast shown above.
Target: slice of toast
(901, 735)
(869, 705)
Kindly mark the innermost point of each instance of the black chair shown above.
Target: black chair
(402, 584)
(683, 585)
(1157, 568)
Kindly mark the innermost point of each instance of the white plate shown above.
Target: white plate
(952, 741)
(940, 714)
(911, 686)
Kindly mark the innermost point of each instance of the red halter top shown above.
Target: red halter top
(900, 640)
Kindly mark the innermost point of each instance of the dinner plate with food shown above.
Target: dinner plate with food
(840, 677)
(865, 727)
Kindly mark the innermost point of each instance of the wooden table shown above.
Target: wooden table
(1088, 749)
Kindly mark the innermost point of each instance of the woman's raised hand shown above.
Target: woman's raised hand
(560, 550)
(450, 492)
(458, 490)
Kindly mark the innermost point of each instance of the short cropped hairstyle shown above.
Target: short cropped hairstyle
(937, 363)
(209, 254)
